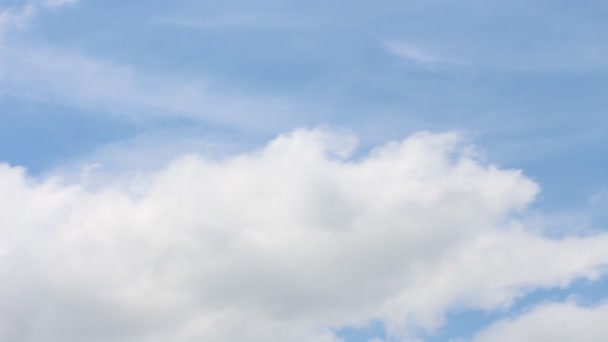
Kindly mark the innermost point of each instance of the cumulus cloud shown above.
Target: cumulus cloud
(286, 243)
(559, 322)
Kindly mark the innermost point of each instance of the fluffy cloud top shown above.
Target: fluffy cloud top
(286, 243)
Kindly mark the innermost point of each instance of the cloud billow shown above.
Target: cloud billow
(286, 243)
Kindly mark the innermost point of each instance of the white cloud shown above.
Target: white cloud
(558, 322)
(281, 244)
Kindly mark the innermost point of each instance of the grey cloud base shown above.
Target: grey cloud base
(286, 243)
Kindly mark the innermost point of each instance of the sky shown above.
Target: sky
(314, 171)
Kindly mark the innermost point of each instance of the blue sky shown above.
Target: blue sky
(95, 94)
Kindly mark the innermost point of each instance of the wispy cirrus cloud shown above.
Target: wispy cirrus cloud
(124, 91)
(58, 76)
(416, 53)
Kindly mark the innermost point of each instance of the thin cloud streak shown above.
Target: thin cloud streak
(123, 91)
